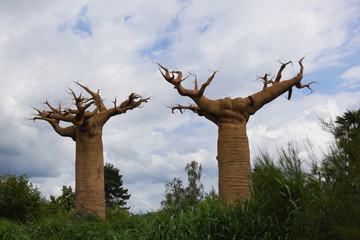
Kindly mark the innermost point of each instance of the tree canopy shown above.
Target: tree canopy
(341, 166)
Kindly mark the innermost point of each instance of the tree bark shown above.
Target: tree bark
(89, 172)
(233, 161)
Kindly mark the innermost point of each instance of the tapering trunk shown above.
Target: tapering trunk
(233, 161)
(89, 172)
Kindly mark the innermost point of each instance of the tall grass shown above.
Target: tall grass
(287, 203)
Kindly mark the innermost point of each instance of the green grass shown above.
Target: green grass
(208, 220)
(286, 203)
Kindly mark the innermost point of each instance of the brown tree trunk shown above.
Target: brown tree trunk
(233, 161)
(89, 173)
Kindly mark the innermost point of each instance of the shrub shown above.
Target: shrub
(19, 199)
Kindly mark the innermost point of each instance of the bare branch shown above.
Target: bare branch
(194, 109)
(58, 111)
(196, 84)
(207, 83)
(72, 93)
(114, 102)
(53, 115)
(265, 80)
(299, 85)
(95, 96)
(128, 104)
(171, 79)
(195, 93)
(75, 116)
(278, 76)
(182, 108)
(264, 96)
(289, 94)
(66, 132)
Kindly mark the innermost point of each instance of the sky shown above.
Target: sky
(45, 46)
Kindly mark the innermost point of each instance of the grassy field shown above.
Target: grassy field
(289, 217)
(208, 220)
(286, 203)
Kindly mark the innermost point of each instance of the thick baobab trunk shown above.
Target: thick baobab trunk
(89, 173)
(233, 161)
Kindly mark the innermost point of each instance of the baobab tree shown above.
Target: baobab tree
(87, 121)
(231, 116)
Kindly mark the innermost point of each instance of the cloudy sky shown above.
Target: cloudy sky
(110, 45)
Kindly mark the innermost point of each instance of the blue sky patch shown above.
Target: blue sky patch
(126, 18)
(328, 80)
(83, 25)
(163, 41)
(160, 44)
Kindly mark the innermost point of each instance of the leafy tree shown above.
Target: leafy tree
(65, 202)
(194, 192)
(339, 174)
(67, 198)
(341, 166)
(176, 194)
(114, 190)
(19, 199)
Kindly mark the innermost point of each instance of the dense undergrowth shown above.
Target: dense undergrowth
(287, 203)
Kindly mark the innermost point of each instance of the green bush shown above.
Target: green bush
(84, 215)
(19, 199)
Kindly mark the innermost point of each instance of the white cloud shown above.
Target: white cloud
(352, 77)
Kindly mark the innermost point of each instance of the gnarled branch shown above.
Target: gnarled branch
(278, 76)
(259, 99)
(55, 123)
(95, 96)
(195, 93)
(134, 100)
(76, 116)
(182, 108)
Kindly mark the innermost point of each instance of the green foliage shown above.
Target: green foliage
(114, 190)
(194, 192)
(177, 195)
(174, 193)
(19, 199)
(341, 166)
(84, 215)
(340, 172)
(64, 203)
(116, 212)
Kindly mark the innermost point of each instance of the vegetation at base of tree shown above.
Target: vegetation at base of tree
(287, 202)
